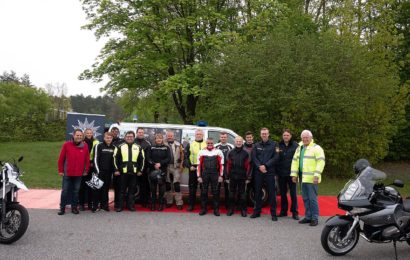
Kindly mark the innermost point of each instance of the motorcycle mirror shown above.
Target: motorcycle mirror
(20, 159)
(398, 183)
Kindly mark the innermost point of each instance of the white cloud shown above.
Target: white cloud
(44, 39)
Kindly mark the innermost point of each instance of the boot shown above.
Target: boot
(230, 212)
(216, 212)
(161, 207)
(202, 212)
(61, 211)
(244, 213)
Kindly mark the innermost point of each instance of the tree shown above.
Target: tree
(23, 112)
(61, 103)
(11, 77)
(161, 45)
(324, 82)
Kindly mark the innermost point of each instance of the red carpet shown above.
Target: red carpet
(50, 199)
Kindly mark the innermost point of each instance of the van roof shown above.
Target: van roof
(129, 125)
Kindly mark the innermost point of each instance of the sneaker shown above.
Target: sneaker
(255, 215)
(61, 212)
(304, 221)
(314, 222)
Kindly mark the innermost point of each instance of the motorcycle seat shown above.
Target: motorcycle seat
(406, 205)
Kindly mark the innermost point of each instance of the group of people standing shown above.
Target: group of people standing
(156, 170)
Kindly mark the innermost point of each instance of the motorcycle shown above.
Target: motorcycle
(374, 211)
(14, 217)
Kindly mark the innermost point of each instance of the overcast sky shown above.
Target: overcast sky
(43, 38)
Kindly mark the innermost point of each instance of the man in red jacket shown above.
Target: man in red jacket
(74, 162)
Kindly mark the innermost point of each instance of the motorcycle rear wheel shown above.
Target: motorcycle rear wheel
(15, 225)
(332, 240)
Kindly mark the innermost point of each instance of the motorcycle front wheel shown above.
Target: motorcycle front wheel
(15, 224)
(333, 243)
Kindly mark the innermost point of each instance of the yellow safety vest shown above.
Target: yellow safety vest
(313, 163)
(194, 149)
(95, 142)
(136, 151)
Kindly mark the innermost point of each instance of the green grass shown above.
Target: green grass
(39, 164)
(40, 167)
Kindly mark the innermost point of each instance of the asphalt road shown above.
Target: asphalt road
(126, 235)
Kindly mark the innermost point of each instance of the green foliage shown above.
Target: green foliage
(332, 85)
(23, 114)
(158, 45)
(105, 105)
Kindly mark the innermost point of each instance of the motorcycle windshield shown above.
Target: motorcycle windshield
(362, 186)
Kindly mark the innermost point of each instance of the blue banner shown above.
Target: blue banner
(84, 121)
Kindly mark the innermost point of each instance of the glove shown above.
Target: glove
(247, 181)
(199, 179)
(220, 179)
(227, 181)
(139, 173)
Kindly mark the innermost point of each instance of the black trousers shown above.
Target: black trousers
(100, 197)
(116, 181)
(269, 181)
(128, 184)
(210, 178)
(237, 189)
(161, 191)
(193, 186)
(284, 183)
(144, 187)
(85, 193)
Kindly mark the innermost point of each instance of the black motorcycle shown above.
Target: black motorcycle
(374, 211)
(14, 217)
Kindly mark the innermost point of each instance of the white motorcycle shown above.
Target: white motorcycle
(14, 217)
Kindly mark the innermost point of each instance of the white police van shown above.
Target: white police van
(182, 133)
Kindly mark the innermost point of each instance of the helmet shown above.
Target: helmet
(360, 165)
(157, 176)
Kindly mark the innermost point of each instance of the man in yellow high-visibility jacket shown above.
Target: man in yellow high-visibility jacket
(308, 164)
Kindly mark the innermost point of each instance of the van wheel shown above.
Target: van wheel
(251, 197)
(137, 193)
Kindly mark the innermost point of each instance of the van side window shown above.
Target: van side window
(214, 135)
(231, 139)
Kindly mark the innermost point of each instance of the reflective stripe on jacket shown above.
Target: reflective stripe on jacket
(194, 149)
(123, 160)
(313, 162)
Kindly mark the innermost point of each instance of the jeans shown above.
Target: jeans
(309, 194)
(70, 190)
